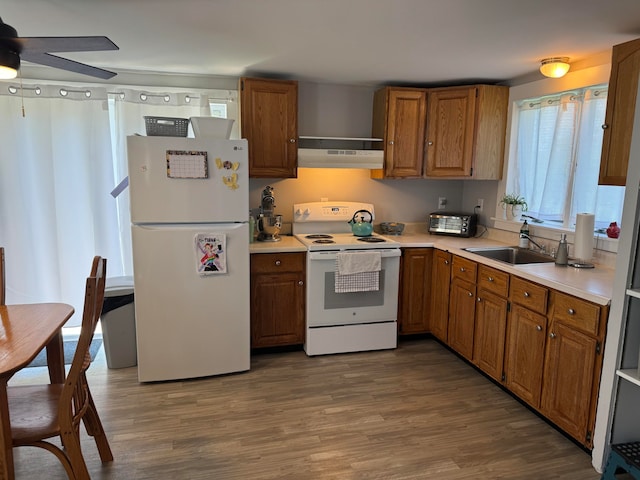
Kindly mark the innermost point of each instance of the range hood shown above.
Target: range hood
(340, 152)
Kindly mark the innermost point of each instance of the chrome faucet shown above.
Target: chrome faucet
(542, 248)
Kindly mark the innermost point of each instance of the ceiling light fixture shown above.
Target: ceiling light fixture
(9, 64)
(554, 67)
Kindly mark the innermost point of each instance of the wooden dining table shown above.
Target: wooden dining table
(24, 331)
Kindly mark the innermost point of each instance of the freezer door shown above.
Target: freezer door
(190, 322)
(161, 190)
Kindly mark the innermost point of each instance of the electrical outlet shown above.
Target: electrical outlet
(480, 204)
(442, 203)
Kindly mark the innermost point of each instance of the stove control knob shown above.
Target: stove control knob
(298, 212)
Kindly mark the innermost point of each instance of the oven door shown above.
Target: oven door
(326, 308)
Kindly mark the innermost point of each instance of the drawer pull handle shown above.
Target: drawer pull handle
(539, 328)
(278, 262)
(526, 294)
(490, 279)
(571, 311)
(462, 269)
(552, 335)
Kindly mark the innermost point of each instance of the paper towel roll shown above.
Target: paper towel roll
(583, 242)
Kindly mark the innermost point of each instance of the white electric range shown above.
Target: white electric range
(339, 321)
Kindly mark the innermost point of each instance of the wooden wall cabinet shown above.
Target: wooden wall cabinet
(440, 283)
(619, 116)
(466, 128)
(491, 320)
(277, 299)
(399, 116)
(269, 122)
(415, 286)
(462, 305)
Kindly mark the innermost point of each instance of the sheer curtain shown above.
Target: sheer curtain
(58, 166)
(55, 178)
(127, 109)
(559, 143)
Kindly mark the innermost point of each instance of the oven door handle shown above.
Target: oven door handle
(332, 255)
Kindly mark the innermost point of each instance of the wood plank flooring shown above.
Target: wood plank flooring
(417, 412)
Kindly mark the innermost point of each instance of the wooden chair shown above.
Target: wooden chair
(42, 412)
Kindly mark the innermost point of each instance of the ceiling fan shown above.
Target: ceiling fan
(37, 50)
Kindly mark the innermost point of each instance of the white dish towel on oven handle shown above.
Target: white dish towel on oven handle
(358, 272)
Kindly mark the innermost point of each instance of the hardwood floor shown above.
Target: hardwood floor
(417, 412)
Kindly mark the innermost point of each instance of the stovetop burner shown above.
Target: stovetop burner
(323, 240)
(371, 239)
(319, 236)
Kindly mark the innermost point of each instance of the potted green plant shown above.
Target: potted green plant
(513, 206)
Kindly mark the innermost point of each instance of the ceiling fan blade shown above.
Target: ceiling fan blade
(66, 64)
(65, 44)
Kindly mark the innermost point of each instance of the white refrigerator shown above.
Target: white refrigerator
(190, 233)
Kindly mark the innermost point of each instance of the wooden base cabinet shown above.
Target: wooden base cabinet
(462, 306)
(440, 281)
(568, 380)
(415, 290)
(269, 122)
(491, 321)
(277, 299)
(573, 364)
(524, 359)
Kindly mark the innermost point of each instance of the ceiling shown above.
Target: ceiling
(360, 42)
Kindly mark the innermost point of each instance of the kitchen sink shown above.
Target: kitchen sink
(512, 255)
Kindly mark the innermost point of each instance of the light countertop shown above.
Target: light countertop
(286, 244)
(594, 284)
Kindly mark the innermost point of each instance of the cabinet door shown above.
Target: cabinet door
(269, 122)
(526, 336)
(621, 103)
(450, 132)
(399, 117)
(277, 309)
(490, 330)
(568, 380)
(462, 305)
(440, 280)
(415, 290)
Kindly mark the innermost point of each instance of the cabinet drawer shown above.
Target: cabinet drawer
(582, 315)
(493, 280)
(277, 262)
(529, 295)
(464, 269)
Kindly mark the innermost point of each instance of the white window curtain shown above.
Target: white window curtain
(127, 109)
(559, 143)
(58, 166)
(55, 178)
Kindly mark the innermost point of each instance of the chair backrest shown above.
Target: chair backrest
(3, 288)
(75, 395)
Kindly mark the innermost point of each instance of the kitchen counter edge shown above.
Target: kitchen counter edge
(285, 245)
(595, 284)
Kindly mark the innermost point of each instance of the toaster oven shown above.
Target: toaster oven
(455, 224)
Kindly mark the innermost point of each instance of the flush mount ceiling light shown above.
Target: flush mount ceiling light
(554, 67)
(9, 64)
